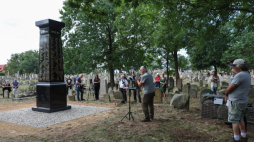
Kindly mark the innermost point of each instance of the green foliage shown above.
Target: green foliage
(2, 74)
(25, 62)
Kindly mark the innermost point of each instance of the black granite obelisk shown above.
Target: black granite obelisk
(51, 89)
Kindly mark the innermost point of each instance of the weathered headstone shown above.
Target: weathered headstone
(186, 88)
(193, 93)
(158, 96)
(118, 95)
(194, 87)
(106, 98)
(179, 84)
(6, 94)
(205, 91)
(51, 89)
(171, 82)
(175, 89)
(179, 101)
(200, 83)
(168, 98)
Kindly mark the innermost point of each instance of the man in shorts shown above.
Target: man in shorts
(237, 93)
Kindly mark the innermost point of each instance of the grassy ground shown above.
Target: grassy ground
(169, 125)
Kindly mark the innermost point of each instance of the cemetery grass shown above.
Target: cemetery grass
(168, 125)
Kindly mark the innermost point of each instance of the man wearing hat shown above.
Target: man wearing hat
(157, 80)
(237, 93)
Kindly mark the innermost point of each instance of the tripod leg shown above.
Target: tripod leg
(125, 116)
(132, 117)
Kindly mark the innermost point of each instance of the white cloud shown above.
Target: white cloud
(18, 32)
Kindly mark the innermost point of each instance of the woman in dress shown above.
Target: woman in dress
(96, 86)
(163, 81)
(214, 82)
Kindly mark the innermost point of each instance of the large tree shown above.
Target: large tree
(25, 62)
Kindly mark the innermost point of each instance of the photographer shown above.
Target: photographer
(123, 83)
(79, 87)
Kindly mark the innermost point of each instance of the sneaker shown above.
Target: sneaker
(244, 139)
(236, 140)
(145, 120)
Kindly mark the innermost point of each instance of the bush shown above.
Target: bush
(2, 74)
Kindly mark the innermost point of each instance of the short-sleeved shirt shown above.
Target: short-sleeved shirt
(15, 84)
(240, 93)
(147, 81)
(69, 81)
(78, 79)
(123, 83)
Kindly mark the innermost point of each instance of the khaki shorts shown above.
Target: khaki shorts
(236, 111)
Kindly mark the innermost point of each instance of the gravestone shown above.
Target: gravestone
(224, 83)
(6, 94)
(205, 91)
(106, 98)
(194, 87)
(71, 98)
(168, 98)
(193, 93)
(186, 88)
(157, 97)
(175, 90)
(69, 92)
(179, 84)
(118, 95)
(171, 82)
(51, 89)
(179, 101)
(200, 83)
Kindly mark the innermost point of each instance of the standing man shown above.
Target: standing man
(237, 93)
(133, 80)
(75, 85)
(147, 102)
(123, 83)
(15, 86)
(68, 84)
(79, 87)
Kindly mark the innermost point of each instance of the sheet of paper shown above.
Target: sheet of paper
(218, 101)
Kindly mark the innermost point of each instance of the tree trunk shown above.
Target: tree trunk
(167, 67)
(215, 68)
(110, 66)
(176, 64)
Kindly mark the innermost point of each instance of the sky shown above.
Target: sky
(18, 32)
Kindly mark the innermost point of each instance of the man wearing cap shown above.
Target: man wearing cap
(237, 93)
(157, 80)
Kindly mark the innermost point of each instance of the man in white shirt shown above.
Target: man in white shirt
(123, 83)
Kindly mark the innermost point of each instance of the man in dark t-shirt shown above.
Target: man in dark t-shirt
(79, 87)
(68, 84)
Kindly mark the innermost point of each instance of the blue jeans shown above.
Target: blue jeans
(81, 91)
(157, 85)
(214, 89)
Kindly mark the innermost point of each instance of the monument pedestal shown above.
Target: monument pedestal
(51, 97)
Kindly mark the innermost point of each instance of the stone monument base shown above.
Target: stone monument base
(49, 110)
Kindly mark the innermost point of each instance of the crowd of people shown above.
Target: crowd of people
(79, 87)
